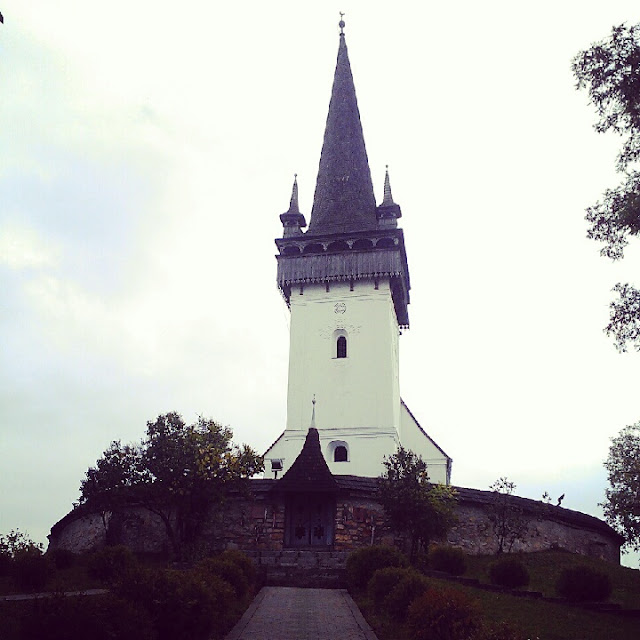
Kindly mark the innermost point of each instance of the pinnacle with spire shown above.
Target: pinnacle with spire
(388, 211)
(292, 219)
(343, 200)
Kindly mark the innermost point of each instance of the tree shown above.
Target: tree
(622, 501)
(610, 71)
(416, 508)
(177, 472)
(506, 515)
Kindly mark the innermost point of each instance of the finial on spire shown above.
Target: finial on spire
(341, 23)
(388, 198)
(313, 413)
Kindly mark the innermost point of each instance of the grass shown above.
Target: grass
(533, 617)
(546, 566)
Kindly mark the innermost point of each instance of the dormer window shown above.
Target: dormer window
(341, 347)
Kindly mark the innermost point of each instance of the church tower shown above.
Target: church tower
(346, 282)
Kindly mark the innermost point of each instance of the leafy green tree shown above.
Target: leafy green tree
(415, 507)
(17, 542)
(610, 71)
(506, 516)
(622, 502)
(16, 545)
(177, 472)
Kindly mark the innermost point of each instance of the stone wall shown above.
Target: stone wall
(360, 522)
(475, 535)
(257, 522)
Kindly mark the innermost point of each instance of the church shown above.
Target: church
(346, 282)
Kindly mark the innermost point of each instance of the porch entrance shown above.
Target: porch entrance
(309, 521)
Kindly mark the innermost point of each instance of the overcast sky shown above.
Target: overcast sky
(146, 151)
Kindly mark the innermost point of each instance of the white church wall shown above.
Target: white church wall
(366, 450)
(414, 438)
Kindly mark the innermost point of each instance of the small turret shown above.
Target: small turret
(388, 212)
(292, 220)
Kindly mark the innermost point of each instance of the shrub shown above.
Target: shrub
(583, 584)
(448, 559)
(363, 563)
(403, 594)
(382, 581)
(510, 573)
(30, 570)
(420, 561)
(225, 569)
(96, 617)
(243, 561)
(501, 631)
(111, 563)
(5, 563)
(61, 558)
(184, 608)
(443, 614)
(182, 605)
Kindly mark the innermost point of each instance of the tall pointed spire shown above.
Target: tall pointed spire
(344, 200)
(293, 220)
(388, 198)
(388, 211)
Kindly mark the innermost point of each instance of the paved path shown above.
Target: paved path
(289, 613)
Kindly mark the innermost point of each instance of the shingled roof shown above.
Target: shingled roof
(343, 200)
(309, 472)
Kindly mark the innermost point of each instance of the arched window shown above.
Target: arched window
(340, 454)
(341, 347)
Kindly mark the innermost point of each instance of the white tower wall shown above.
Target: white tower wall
(360, 390)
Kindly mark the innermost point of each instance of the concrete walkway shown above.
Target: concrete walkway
(289, 613)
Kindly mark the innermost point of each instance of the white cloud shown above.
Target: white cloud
(23, 248)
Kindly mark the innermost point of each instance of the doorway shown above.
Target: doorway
(309, 521)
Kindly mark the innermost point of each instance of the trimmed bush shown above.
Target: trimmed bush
(111, 563)
(243, 561)
(501, 631)
(96, 617)
(583, 584)
(5, 564)
(397, 602)
(448, 559)
(184, 608)
(382, 581)
(363, 563)
(510, 573)
(61, 558)
(420, 561)
(30, 570)
(225, 569)
(443, 614)
(181, 604)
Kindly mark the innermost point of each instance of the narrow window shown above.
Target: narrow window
(341, 347)
(340, 454)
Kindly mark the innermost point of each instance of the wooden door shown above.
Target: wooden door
(310, 521)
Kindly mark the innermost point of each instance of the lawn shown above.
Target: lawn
(535, 618)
